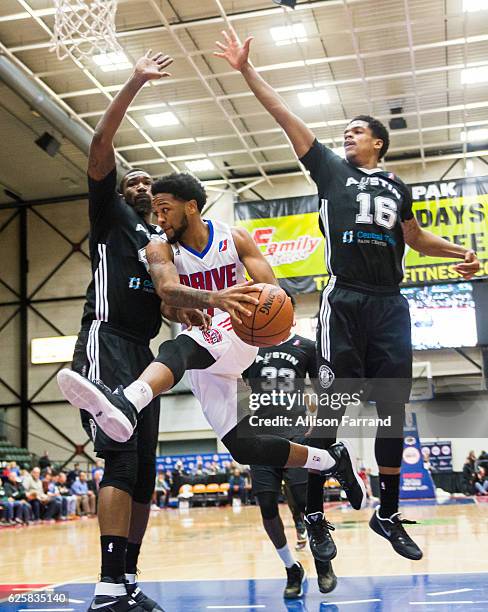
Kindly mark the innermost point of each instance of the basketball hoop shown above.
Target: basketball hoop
(84, 28)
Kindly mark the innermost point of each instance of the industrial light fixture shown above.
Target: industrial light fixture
(472, 6)
(200, 165)
(471, 76)
(289, 3)
(48, 143)
(475, 135)
(314, 98)
(397, 122)
(56, 349)
(115, 60)
(286, 35)
(162, 119)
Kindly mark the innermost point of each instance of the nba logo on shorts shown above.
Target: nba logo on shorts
(212, 336)
(223, 246)
(326, 376)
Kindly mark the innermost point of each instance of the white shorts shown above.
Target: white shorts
(216, 386)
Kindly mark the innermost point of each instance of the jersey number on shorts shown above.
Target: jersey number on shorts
(281, 378)
(385, 210)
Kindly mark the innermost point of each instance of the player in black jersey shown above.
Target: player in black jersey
(285, 367)
(121, 314)
(364, 324)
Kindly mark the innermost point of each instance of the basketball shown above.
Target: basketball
(270, 320)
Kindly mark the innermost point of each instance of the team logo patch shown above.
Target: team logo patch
(223, 245)
(326, 376)
(212, 336)
(93, 429)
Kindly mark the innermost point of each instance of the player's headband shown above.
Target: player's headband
(132, 172)
(357, 123)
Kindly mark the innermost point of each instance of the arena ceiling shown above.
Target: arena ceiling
(428, 58)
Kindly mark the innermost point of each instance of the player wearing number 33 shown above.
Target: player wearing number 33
(364, 325)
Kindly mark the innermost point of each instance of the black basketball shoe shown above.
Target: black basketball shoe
(326, 578)
(134, 590)
(345, 472)
(392, 530)
(115, 603)
(321, 543)
(111, 410)
(295, 580)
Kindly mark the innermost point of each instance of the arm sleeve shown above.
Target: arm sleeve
(103, 200)
(320, 160)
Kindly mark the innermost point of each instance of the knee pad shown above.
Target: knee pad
(146, 478)
(268, 504)
(183, 353)
(120, 470)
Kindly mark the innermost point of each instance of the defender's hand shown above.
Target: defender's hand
(469, 267)
(236, 54)
(151, 67)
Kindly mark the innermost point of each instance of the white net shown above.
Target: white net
(84, 28)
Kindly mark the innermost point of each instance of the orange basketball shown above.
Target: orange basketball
(270, 321)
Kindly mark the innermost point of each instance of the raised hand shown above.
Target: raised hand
(151, 67)
(233, 51)
(469, 267)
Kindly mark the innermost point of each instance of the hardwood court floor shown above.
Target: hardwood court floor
(222, 543)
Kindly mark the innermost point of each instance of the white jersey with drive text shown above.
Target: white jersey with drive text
(216, 267)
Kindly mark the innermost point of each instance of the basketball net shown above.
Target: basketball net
(84, 28)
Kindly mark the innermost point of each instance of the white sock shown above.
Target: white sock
(131, 578)
(109, 588)
(139, 393)
(319, 459)
(286, 556)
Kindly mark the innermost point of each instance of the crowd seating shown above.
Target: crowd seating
(10, 452)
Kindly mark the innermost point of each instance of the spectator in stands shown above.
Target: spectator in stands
(469, 472)
(68, 501)
(6, 508)
(237, 486)
(178, 478)
(483, 460)
(51, 491)
(73, 474)
(94, 485)
(44, 461)
(226, 468)
(98, 468)
(42, 506)
(16, 494)
(86, 500)
(162, 490)
(481, 482)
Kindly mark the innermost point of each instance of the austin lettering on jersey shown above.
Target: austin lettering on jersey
(214, 279)
(374, 181)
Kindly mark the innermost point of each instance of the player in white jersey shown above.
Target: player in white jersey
(201, 265)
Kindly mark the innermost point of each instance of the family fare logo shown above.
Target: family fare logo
(284, 251)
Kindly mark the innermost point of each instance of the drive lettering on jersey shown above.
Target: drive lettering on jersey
(211, 280)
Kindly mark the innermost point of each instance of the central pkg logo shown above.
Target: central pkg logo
(212, 336)
(348, 237)
(326, 376)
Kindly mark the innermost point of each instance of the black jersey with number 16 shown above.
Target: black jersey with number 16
(361, 212)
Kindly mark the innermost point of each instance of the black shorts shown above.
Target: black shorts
(365, 333)
(103, 355)
(267, 478)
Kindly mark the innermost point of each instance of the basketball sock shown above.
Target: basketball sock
(139, 393)
(389, 493)
(112, 589)
(319, 459)
(131, 578)
(315, 493)
(113, 555)
(131, 557)
(286, 556)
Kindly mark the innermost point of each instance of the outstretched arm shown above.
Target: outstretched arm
(254, 261)
(167, 284)
(101, 159)
(428, 243)
(237, 55)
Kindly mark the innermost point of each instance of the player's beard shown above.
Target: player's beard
(178, 232)
(142, 204)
